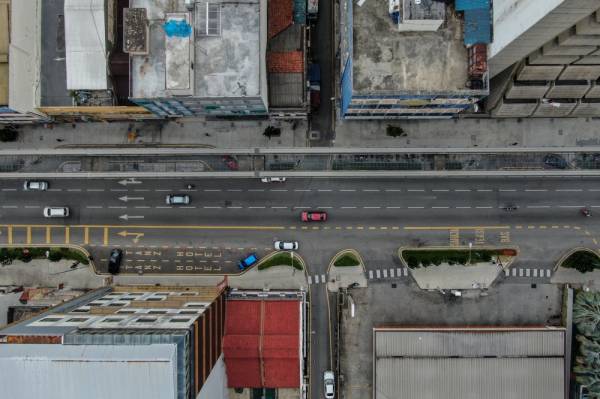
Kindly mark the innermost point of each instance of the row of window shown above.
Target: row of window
(111, 320)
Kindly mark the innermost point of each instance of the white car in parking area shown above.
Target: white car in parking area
(329, 384)
(273, 180)
(286, 245)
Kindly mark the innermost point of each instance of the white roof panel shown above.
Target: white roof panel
(85, 42)
(88, 371)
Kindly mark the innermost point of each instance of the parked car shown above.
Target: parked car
(286, 245)
(177, 199)
(114, 261)
(56, 212)
(248, 261)
(313, 216)
(231, 162)
(555, 161)
(31, 185)
(329, 384)
(273, 179)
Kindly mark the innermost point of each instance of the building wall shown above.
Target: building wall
(195, 106)
(208, 337)
(522, 26)
(215, 387)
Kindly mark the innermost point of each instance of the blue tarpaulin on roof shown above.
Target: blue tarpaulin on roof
(463, 5)
(478, 26)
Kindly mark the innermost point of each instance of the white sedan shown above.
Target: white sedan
(286, 245)
(273, 180)
(329, 381)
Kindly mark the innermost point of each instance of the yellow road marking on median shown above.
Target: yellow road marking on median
(67, 235)
(10, 235)
(48, 235)
(86, 235)
(543, 227)
(105, 238)
(29, 235)
(456, 227)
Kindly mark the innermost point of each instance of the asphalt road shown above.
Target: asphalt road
(227, 219)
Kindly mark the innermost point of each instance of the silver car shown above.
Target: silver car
(273, 179)
(286, 245)
(177, 199)
(329, 381)
(56, 212)
(31, 185)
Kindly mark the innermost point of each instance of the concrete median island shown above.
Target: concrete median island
(281, 259)
(578, 266)
(53, 254)
(461, 268)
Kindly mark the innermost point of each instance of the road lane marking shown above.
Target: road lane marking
(278, 190)
(538, 206)
(348, 207)
(370, 190)
(86, 235)
(119, 189)
(10, 234)
(463, 207)
(67, 235)
(415, 191)
(117, 207)
(160, 190)
(28, 234)
(484, 190)
(140, 190)
(570, 206)
(324, 207)
(440, 207)
(461, 190)
(483, 207)
(256, 190)
(146, 207)
(528, 190)
(298, 190)
(9, 189)
(9, 206)
(499, 227)
(193, 207)
(371, 207)
(210, 207)
(256, 207)
(416, 207)
(94, 189)
(347, 191)
(32, 206)
(105, 237)
(55, 189)
(48, 235)
(504, 190)
(302, 207)
(234, 190)
(74, 190)
(324, 190)
(279, 207)
(94, 207)
(393, 190)
(211, 190)
(393, 207)
(569, 190)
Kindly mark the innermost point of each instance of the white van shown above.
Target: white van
(56, 212)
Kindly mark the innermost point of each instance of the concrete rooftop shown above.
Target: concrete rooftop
(226, 65)
(387, 60)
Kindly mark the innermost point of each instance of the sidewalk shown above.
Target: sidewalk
(468, 133)
(219, 134)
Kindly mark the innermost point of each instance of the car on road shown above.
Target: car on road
(286, 245)
(313, 216)
(248, 261)
(31, 185)
(230, 162)
(177, 199)
(273, 179)
(329, 384)
(56, 211)
(114, 261)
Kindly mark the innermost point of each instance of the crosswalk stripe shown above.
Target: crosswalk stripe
(507, 272)
(405, 272)
(514, 272)
(527, 272)
(392, 273)
(520, 272)
(309, 279)
(378, 273)
(323, 278)
(548, 272)
(399, 272)
(370, 274)
(535, 272)
(384, 273)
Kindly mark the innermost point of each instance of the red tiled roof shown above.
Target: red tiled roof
(280, 16)
(261, 345)
(285, 62)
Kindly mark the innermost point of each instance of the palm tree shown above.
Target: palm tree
(586, 314)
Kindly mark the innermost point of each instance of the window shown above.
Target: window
(77, 320)
(157, 312)
(111, 320)
(155, 298)
(117, 304)
(146, 320)
(80, 310)
(188, 312)
(195, 305)
(125, 311)
(179, 320)
(51, 319)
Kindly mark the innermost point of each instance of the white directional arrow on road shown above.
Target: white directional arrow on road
(126, 198)
(129, 181)
(127, 217)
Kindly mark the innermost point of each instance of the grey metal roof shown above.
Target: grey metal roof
(286, 89)
(466, 378)
(489, 363)
(88, 371)
(470, 344)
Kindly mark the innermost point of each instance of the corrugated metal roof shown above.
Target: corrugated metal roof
(286, 89)
(88, 371)
(470, 344)
(85, 42)
(459, 378)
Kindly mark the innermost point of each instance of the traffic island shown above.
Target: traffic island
(579, 266)
(273, 271)
(346, 269)
(281, 258)
(457, 268)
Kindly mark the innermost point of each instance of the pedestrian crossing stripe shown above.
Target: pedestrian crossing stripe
(536, 273)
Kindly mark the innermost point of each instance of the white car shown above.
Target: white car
(273, 180)
(329, 381)
(31, 185)
(177, 199)
(56, 212)
(286, 245)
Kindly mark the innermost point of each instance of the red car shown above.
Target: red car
(313, 216)
(230, 162)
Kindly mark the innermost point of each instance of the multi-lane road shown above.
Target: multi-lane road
(228, 218)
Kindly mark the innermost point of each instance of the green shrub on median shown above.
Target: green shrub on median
(424, 258)
(348, 259)
(582, 261)
(281, 259)
(54, 254)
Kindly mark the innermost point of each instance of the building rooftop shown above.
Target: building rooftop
(222, 51)
(385, 59)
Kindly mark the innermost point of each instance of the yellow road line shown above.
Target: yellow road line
(28, 234)
(105, 238)
(86, 235)
(10, 235)
(456, 227)
(48, 235)
(154, 227)
(67, 235)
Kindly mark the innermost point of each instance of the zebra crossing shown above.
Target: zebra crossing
(317, 279)
(397, 272)
(535, 273)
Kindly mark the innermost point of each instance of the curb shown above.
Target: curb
(71, 246)
(275, 253)
(342, 252)
(571, 252)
